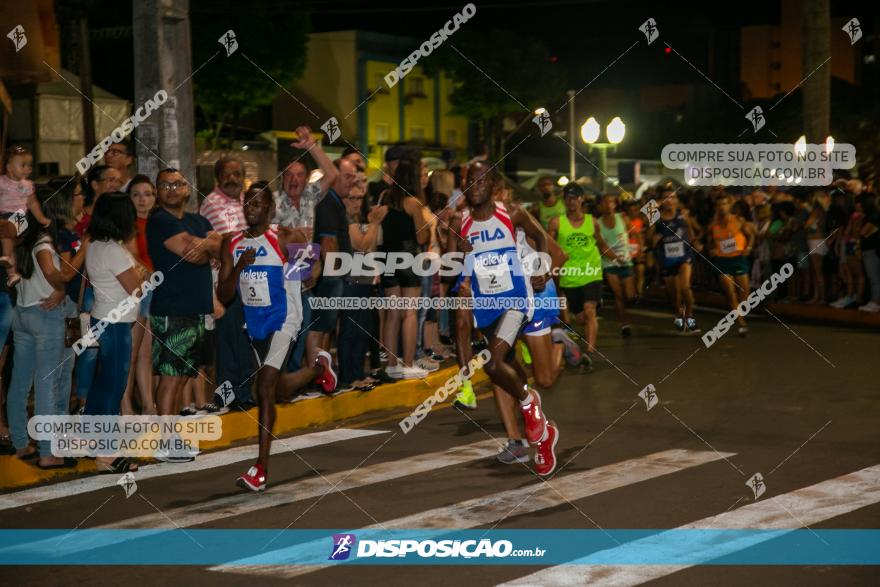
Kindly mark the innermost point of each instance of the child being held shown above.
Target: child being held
(17, 194)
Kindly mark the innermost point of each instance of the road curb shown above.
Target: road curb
(290, 418)
(821, 314)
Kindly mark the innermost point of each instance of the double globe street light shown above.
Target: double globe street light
(614, 133)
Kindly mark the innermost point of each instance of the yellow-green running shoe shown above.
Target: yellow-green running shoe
(465, 399)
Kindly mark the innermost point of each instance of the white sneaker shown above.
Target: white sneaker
(871, 306)
(414, 372)
(842, 302)
(427, 364)
(394, 371)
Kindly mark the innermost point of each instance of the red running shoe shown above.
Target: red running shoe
(254, 479)
(327, 380)
(533, 417)
(545, 456)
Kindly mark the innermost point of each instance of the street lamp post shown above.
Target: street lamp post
(614, 132)
(571, 166)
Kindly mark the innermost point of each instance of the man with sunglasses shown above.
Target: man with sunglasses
(181, 245)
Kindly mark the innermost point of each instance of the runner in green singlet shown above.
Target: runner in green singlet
(581, 240)
(550, 206)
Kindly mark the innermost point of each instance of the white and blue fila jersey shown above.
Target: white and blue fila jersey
(271, 302)
(543, 317)
(494, 265)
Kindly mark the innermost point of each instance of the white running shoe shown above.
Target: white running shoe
(427, 364)
(414, 372)
(871, 306)
(394, 371)
(842, 302)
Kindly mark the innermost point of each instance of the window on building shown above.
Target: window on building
(417, 132)
(381, 132)
(417, 85)
(379, 83)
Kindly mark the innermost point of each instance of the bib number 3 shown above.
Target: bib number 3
(255, 292)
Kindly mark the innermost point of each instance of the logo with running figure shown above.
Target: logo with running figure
(229, 42)
(542, 119)
(301, 259)
(128, 484)
(649, 396)
(18, 37)
(331, 127)
(650, 30)
(651, 211)
(756, 117)
(343, 544)
(854, 29)
(757, 485)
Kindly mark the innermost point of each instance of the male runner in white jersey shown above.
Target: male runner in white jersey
(253, 261)
(486, 231)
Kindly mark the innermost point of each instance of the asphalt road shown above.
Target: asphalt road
(796, 403)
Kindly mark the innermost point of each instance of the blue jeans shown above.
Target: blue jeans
(5, 317)
(423, 315)
(871, 259)
(354, 335)
(114, 359)
(39, 345)
(87, 361)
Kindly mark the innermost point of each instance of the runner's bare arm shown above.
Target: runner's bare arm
(229, 272)
(553, 228)
(530, 226)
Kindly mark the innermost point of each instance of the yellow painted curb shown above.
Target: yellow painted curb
(241, 426)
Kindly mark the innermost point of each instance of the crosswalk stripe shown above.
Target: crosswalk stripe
(205, 461)
(277, 495)
(495, 507)
(788, 511)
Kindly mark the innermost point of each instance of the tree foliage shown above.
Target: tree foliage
(272, 43)
(497, 73)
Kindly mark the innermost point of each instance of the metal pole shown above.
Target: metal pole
(603, 165)
(85, 81)
(571, 135)
(162, 62)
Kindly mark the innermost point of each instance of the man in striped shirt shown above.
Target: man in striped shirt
(223, 206)
(224, 210)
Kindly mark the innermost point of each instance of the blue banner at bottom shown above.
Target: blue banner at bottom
(433, 547)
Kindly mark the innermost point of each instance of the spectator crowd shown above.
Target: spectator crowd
(78, 250)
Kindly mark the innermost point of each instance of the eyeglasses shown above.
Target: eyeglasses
(117, 152)
(164, 185)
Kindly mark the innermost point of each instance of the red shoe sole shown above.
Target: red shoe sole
(552, 451)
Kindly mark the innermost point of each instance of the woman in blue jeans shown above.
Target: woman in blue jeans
(38, 332)
(114, 276)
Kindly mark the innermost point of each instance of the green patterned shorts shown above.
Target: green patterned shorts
(178, 345)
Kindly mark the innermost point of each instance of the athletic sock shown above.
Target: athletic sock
(528, 401)
(570, 348)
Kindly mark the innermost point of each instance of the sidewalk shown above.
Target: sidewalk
(808, 312)
(291, 418)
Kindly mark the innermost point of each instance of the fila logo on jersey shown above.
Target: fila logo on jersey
(485, 237)
(261, 252)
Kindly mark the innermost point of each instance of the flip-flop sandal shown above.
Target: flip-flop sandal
(30, 456)
(68, 463)
(6, 446)
(365, 387)
(119, 465)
